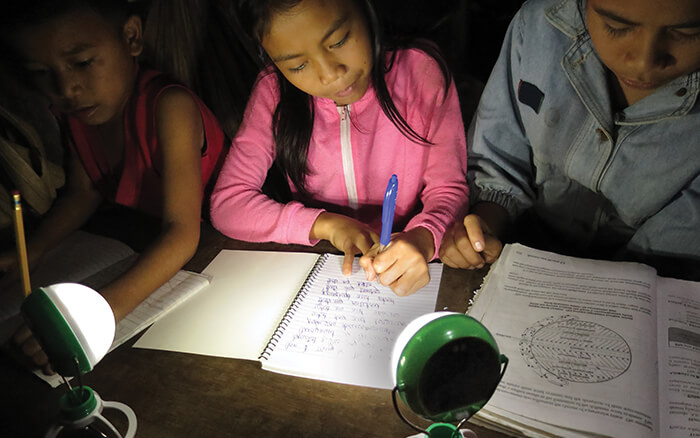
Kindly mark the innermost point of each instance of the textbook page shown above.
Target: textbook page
(581, 338)
(81, 257)
(679, 358)
(239, 311)
(345, 327)
(85, 258)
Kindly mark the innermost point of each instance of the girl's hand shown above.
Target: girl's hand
(30, 350)
(403, 265)
(469, 244)
(346, 234)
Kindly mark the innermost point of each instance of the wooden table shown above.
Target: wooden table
(191, 396)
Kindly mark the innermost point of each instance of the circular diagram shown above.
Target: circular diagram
(565, 349)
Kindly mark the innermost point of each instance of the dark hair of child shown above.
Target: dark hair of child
(294, 115)
(200, 44)
(20, 14)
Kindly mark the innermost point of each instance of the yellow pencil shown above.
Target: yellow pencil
(21, 245)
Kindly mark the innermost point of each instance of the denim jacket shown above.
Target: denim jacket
(546, 140)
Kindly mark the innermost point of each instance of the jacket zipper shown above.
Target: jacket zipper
(346, 153)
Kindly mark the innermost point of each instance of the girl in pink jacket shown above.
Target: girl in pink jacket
(339, 114)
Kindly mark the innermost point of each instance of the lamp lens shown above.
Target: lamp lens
(461, 375)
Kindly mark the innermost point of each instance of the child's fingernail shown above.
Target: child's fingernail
(479, 246)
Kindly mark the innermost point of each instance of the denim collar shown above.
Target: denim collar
(586, 73)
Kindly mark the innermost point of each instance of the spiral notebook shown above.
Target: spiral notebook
(297, 314)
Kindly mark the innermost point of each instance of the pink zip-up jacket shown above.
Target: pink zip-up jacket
(354, 150)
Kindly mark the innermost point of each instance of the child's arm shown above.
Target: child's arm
(180, 133)
(403, 265)
(180, 136)
(239, 208)
(669, 240)
(500, 164)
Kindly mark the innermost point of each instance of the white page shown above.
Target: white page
(344, 327)
(236, 315)
(183, 286)
(493, 417)
(679, 357)
(581, 339)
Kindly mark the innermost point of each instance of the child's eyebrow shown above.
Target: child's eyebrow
(77, 49)
(688, 24)
(614, 16)
(335, 26)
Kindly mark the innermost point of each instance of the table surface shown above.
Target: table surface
(186, 395)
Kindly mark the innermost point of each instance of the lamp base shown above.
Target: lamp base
(445, 430)
(81, 413)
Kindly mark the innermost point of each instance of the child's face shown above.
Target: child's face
(323, 48)
(82, 63)
(645, 43)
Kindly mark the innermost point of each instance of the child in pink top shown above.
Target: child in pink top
(339, 115)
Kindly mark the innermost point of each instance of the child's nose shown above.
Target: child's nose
(329, 70)
(649, 53)
(66, 84)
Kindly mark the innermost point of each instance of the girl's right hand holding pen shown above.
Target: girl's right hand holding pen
(346, 234)
(403, 265)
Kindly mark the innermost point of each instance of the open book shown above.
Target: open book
(596, 348)
(296, 313)
(95, 261)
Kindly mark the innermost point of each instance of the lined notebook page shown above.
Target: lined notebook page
(342, 329)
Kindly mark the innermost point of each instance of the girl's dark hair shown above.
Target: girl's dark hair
(19, 14)
(294, 116)
(200, 43)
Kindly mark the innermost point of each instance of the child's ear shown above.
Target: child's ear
(133, 35)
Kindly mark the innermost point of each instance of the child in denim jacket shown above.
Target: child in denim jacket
(587, 136)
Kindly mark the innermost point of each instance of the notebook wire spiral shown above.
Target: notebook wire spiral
(291, 310)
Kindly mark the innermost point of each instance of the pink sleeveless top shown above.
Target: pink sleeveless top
(138, 184)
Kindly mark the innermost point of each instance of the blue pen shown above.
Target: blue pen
(388, 212)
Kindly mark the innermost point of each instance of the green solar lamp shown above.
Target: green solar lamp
(75, 327)
(446, 366)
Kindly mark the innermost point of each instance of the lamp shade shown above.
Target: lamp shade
(446, 366)
(73, 323)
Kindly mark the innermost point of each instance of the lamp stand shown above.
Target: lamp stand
(81, 409)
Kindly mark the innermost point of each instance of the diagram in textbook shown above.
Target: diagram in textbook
(564, 349)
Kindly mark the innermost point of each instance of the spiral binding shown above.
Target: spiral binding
(291, 310)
